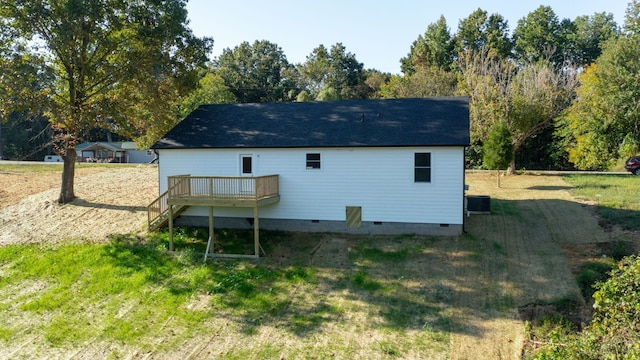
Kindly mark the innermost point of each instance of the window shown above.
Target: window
(247, 168)
(313, 161)
(422, 167)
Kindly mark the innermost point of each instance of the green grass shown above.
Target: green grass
(127, 289)
(26, 167)
(593, 272)
(618, 197)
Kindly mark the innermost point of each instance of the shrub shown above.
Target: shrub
(619, 249)
(590, 274)
(614, 332)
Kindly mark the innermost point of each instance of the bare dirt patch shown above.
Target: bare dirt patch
(18, 185)
(110, 201)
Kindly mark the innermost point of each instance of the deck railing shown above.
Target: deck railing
(156, 209)
(159, 208)
(223, 187)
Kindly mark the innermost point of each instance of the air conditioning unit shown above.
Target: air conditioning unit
(478, 204)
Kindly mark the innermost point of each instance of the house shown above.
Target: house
(113, 152)
(393, 166)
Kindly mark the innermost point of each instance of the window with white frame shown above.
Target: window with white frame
(313, 161)
(422, 167)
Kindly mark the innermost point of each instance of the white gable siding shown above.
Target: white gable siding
(380, 180)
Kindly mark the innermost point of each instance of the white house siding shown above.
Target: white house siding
(140, 156)
(380, 180)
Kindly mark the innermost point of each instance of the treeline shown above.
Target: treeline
(535, 80)
(566, 90)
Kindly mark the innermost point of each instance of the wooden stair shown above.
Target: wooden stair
(158, 212)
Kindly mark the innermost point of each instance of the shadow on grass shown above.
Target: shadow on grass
(610, 216)
(550, 188)
(397, 283)
(89, 204)
(285, 291)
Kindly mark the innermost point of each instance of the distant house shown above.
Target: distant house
(113, 152)
(359, 166)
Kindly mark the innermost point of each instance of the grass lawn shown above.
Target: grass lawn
(617, 197)
(132, 295)
(314, 296)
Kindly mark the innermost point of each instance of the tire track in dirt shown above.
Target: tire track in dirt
(517, 264)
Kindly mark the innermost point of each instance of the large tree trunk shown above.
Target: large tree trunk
(512, 167)
(68, 174)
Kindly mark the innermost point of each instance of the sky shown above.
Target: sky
(379, 33)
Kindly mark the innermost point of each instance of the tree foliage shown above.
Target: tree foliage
(257, 72)
(527, 98)
(110, 64)
(434, 49)
(614, 332)
(424, 82)
(212, 90)
(482, 32)
(334, 74)
(590, 33)
(539, 36)
(498, 149)
(603, 123)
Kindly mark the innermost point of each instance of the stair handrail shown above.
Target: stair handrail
(160, 206)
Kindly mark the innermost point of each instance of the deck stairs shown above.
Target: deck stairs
(158, 212)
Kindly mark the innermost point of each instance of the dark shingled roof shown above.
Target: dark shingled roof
(440, 121)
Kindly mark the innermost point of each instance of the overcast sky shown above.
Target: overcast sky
(379, 33)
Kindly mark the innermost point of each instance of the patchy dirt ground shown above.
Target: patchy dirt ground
(110, 200)
(508, 259)
(533, 218)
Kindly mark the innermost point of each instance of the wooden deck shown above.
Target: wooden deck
(213, 191)
(223, 191)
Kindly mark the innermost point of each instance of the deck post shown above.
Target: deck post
(170, 227)
(211, 236)
(256, 231)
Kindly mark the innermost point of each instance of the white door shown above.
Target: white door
(246, 165)
(246, 169)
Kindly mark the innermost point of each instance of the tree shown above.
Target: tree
(498, 149)
(334, 74)
(528, 97)
(632, 18)
(434, 49)
(539, 36)
(480, 31)
(26, 137)
(376, 80)
(21, 83)
(212, 90)
(485, 78)
(538, 94)
(424, 82)
(590, 33)
(257, 72)
(111, 64)
(603, 123)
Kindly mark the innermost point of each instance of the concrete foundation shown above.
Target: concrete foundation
(377, 228)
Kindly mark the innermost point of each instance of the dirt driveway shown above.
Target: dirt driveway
(110, 200)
